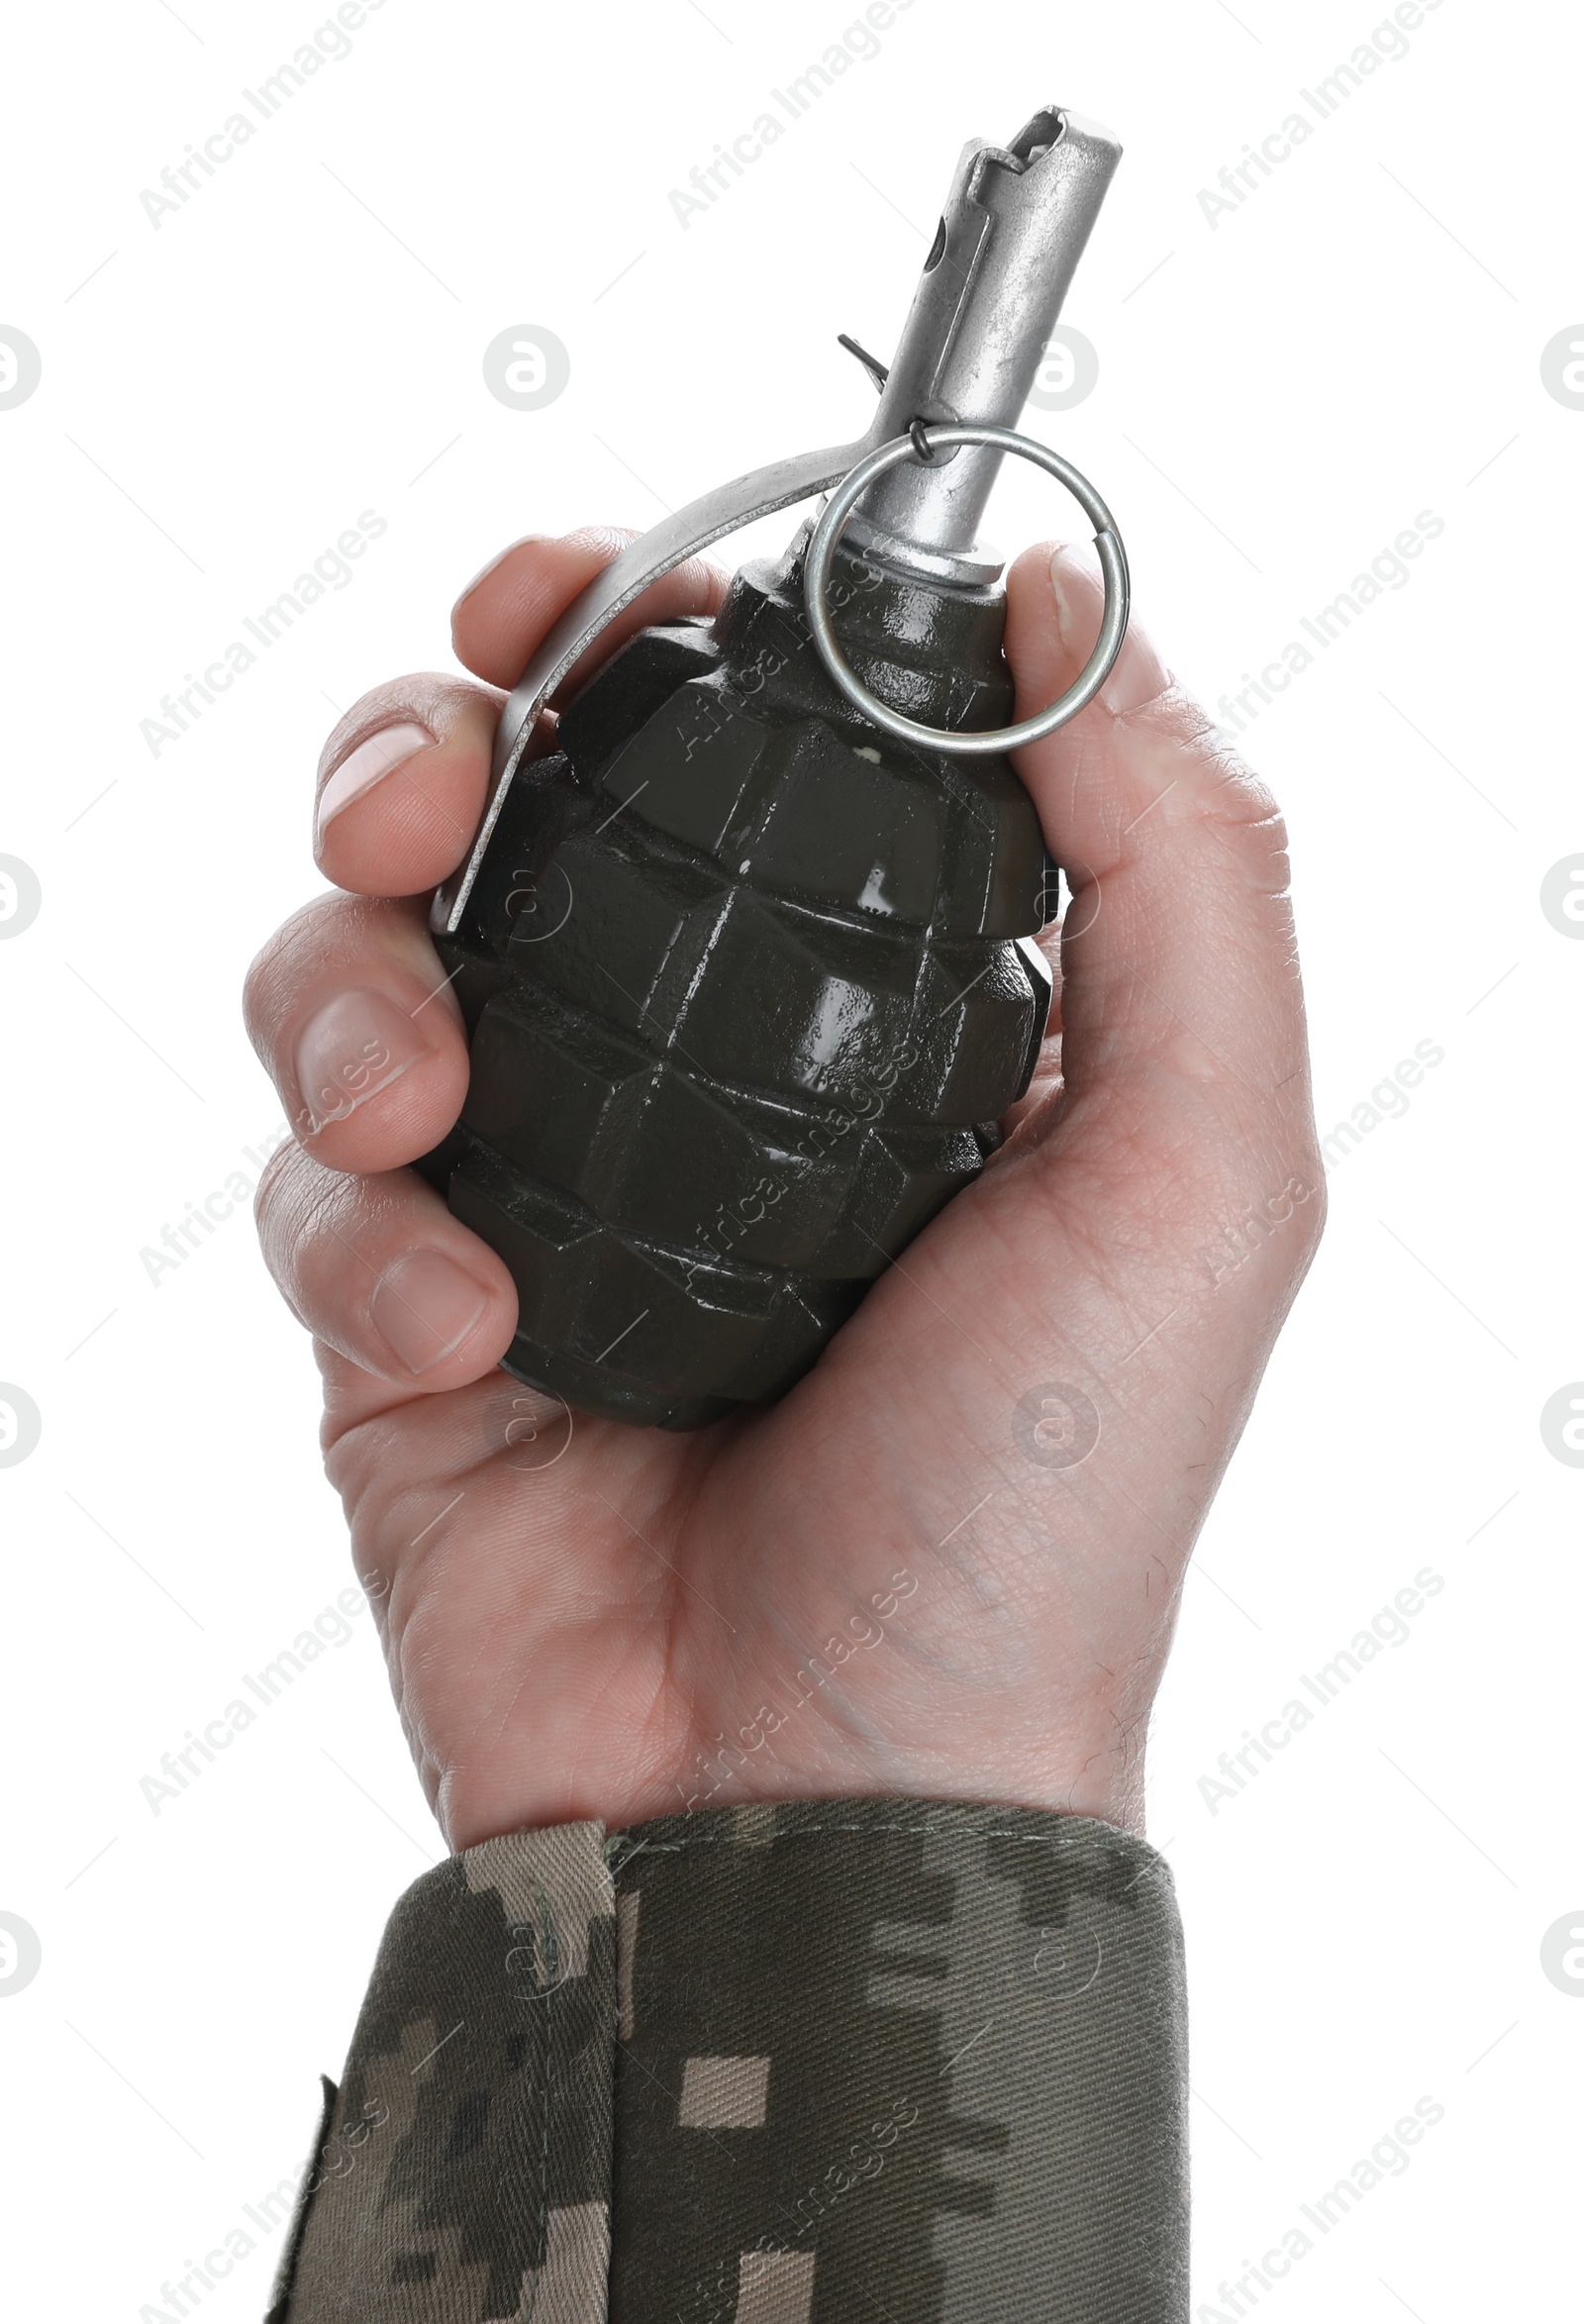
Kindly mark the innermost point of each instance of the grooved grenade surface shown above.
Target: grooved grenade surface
(748, 985)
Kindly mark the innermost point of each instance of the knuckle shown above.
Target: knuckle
(1186, 787)
(276, 970)
(295, 1212)
(1235, 795)
(254, 985)
(274, 1191)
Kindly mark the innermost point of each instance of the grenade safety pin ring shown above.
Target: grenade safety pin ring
(1113, 564)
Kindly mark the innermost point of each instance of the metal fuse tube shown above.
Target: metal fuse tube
(1010, 239)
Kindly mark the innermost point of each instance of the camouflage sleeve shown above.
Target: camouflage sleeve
(805, 2063)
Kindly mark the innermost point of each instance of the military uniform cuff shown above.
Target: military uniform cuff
(774, 2064)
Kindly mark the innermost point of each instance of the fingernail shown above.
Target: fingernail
(374, 758)
(352, 1048)
(424, 1307)
(1138, 675)
(1076, 586)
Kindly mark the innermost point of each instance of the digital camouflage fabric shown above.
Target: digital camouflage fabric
(802, 2063)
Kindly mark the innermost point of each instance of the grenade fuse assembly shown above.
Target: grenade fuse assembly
(745, 959)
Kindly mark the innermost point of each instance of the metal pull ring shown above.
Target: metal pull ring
(1112, 562)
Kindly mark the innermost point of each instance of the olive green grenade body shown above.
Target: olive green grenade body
(748, 986)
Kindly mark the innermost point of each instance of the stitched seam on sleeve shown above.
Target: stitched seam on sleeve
(1154, 1861)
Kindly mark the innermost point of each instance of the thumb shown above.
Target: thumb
(1182, 1011)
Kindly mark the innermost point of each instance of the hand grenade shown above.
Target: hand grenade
(746, 959)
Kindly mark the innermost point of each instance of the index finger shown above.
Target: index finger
(405, 774)
(508, 608)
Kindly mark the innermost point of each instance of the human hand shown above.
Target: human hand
(917, 1574)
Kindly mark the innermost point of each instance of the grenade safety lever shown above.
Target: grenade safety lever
(744, 961)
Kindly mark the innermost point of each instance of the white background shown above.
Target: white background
(1280, 395)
